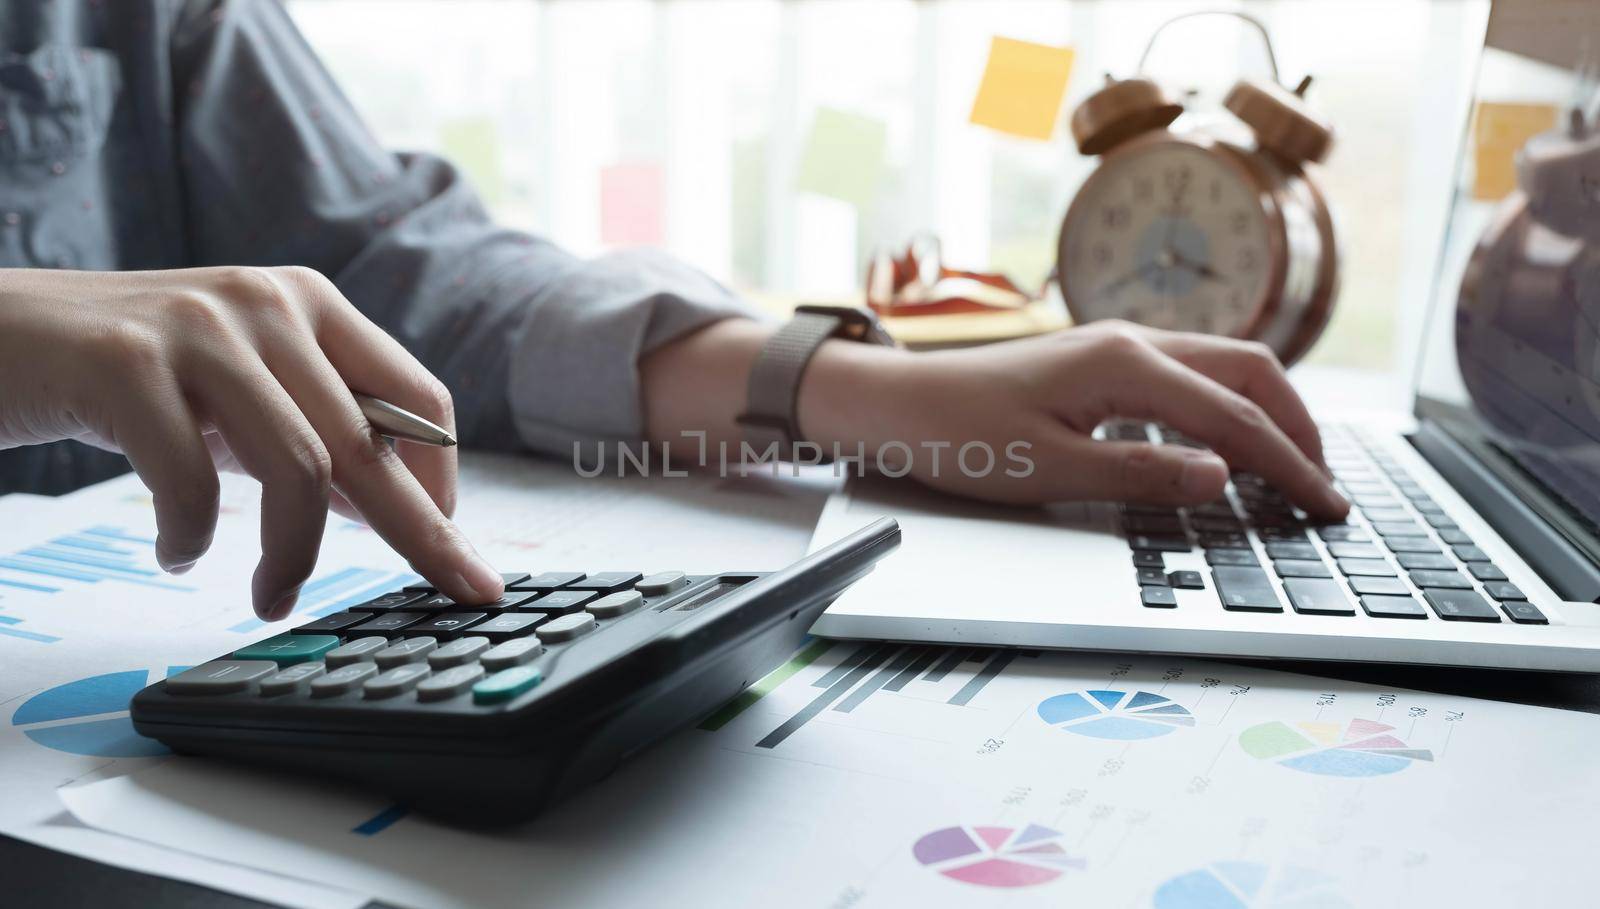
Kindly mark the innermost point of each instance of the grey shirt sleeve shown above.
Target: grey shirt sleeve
(538, 347)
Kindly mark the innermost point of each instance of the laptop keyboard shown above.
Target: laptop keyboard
(1398, 556)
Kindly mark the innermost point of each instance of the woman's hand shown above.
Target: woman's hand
(1050, 392)
(183, 370)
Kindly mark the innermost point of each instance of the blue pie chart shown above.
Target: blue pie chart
(90, 716)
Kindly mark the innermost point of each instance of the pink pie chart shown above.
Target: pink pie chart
(996, 856)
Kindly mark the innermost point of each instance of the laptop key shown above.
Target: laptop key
(1486, 571)
(1452, 580)
(1399, 529)
(1376, 515)
(1153, 577)
(1354, 551)
(1317, 596)
(1524, 613)
(1343, 533)
(1411, 544)
(1282, 534)
(1439, 520)
(1431, 560)
(1301, 568)
(1281, 550)
(1238, 557)
(1504, 590)
(1152, 524)
(1455, 537)
(1372, 568)
(1143, 558)
(1469, 553)
(1460, 605)
(1245, 589)
(1158, 543)
(1393, 607)
(1186, 580)
(1230, 540)
(1158, 597)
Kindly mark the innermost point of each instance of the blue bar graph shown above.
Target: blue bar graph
(337, 592)
(91, 556)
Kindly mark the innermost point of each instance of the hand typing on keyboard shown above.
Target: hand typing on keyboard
(1052, 391)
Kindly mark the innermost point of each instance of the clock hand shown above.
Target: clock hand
(1202, 269)
(1126, 279)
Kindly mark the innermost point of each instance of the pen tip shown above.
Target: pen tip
(449, 441)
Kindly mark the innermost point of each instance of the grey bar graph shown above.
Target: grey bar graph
(986, 675)
(820, 703)
(923, 658)
(895, 667)
(850, 662)
(951, 661)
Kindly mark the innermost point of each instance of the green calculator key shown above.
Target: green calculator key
(288, 649)
(505, 685)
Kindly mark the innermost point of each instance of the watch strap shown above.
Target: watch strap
(772, 396)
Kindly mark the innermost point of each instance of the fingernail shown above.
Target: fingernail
(180, 568)
(173, 564)
(482, 578)
(1202, 474)
(281, 609)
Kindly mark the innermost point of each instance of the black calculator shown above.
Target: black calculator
(487, 714)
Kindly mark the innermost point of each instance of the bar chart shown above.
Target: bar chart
(99, 554)
(338, 591)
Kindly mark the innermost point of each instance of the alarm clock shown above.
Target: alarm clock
(1218, 227)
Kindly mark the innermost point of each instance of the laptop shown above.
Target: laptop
(1474, 536)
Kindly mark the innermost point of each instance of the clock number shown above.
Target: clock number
(1247, 260)
(1143, 189)
(1115, 217)
(1177, 179)
(1239, 222)
(1101, 255)
(1216, 192)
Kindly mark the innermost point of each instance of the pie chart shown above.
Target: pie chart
(1249, 885)
(90, 716)
(996, 856)
(1115, 714)
(1358, 748)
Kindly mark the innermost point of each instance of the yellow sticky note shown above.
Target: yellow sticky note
(845, 156)
(1022, 88)
(1498, 132)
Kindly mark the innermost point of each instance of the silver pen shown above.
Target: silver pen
(397, 423)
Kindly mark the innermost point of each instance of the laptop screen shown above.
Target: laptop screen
(1512, 349)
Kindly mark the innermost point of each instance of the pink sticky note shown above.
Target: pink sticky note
(631, 203)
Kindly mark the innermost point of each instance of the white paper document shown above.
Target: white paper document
(882, 775)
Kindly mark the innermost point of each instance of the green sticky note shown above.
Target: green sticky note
(473, 144)
(844, 157)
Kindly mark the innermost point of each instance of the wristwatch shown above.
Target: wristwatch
(774, 390)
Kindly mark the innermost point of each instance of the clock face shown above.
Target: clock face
(1171, 235)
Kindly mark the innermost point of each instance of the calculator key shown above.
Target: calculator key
(549, 580)
(510, 625)
(1412, 544)
(662, 583)
(387, 623)
(1486, 571)
(1524, 613)
(288, 649)
(503, 686)
(221, 677)
(437, 602)
(458, 653)
(1399, 529)
(566, 627)
(447, 625)
(1453, 580)
(1393, 607)
(1231, 557)
(1470, 553)
(1455, 537)
(394, 682)
(560, 601)
(332, 624)
(1281, 550)
(1301, 568)
(608, 580)
(1354, 551)
(1317, 596)
(356, 651)
(390, 601)
(511, 653)
(1460, 606)
(449, 683)
(1245, 589)
(290, 680)
(1186, 580)
(1145, 559)
(1504, 590)
(1158, 543)
(1158, 597)
(1380, 586)
(1436, 561)
(511, 599)
(513, 578)
(1372, 568)
(613, 605)
(343, 680)
(1152, 576)
(410, 650)
(1342, 533)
